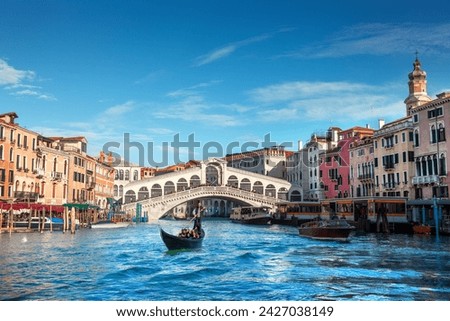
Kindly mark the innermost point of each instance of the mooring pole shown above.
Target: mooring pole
(436, 216)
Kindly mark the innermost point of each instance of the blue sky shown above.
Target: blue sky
(222, 71)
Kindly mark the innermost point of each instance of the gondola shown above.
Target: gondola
(177, 243)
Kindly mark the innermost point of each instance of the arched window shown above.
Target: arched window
(135, 175)
(416, 138)
(442, 169)
(430, 165)
(418, 168)
(11, 154)
(121, 174)
(127, 175)
(441, 133)
(433, 134)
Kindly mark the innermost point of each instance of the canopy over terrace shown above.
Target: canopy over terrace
(81, 206)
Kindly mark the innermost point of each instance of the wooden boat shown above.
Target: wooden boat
(177, 243)
(334, 229)
(109, 224)
(421, 229)
(35, 223)
(255, 215)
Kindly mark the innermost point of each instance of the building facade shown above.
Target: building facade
(394, 158)
(362, 174)
(49, 170)
(335, 163)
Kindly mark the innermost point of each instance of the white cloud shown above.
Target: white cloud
(34, 93)
(302, 89)
(381, 39)
(13, 80)
(230, 48)
(11, 76)
(118, 110)
(326, 101)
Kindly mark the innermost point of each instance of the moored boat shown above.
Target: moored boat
(255, 215)
(334, 229)
(421, 229)
(35, 223)
(109, 224)
(177, 243)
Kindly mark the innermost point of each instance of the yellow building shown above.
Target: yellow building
(394, 158)
(7, 146)
(52, 169)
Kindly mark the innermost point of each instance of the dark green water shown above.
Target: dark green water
(237, 262)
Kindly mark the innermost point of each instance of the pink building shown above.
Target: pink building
(431, 149)
(335, 163)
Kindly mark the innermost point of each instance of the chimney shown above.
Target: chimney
(300, 145)
(380, 123)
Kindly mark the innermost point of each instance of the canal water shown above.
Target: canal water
(237, 262)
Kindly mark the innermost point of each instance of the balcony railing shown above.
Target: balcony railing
(389, 185)
(26, 196)
(90, 185)
(423, 180)
(57, 176)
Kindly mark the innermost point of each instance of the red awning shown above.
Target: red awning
(33, 206)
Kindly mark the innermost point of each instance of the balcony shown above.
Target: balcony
(56, 176)
(365, 177)
(90, 185)
(389, 185)
(425, 180)
(389, 167)
(39, 173)
(26, 196)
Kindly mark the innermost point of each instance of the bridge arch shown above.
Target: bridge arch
(258, 187)
(271, 191)
(245, 184)
(194, 181)
(233, 181)
(130, 196)
(213, 174)
(283, 193)
(211, 178)
(143, 193)
(182, 184)
(156, 190)
(169, 188)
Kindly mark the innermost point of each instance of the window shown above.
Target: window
(441, 133)
(11, 155)
(1, 152)
(416, 138)
(416, 118)
(433, 134)
(403, 137)
(435, 113)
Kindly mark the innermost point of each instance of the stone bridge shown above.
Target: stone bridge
(211, 179)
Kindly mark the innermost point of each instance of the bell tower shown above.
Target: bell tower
(417, 87)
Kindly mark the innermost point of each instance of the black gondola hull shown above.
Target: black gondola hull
(173, 242)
